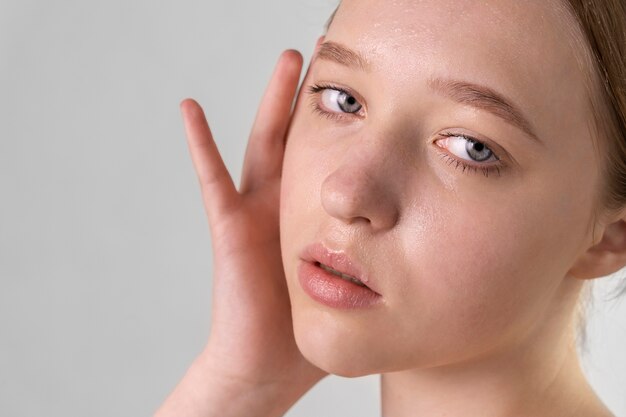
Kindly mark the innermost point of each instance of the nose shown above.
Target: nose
(362, 190)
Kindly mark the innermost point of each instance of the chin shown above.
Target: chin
(337, 347)
(332, 358)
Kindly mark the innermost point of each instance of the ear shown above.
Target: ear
(606, 256)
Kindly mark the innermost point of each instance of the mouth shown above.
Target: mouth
(336, 289)
(341, 274)
(340, 263)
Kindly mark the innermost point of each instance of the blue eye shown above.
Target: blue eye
(467, 151)
(339, 101)
(333, 102)
(468, 148)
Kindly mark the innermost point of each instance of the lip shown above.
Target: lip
(330, 289)
(338, 260)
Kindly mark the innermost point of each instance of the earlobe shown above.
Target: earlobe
(606, 256)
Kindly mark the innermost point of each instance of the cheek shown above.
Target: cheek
(300, 193)
(301, 213)
(306, 164)
(480, 273)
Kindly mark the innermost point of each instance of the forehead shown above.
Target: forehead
(523, 49)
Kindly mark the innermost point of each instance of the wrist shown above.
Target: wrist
(208, 389)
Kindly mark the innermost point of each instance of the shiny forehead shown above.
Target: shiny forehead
(525, 50)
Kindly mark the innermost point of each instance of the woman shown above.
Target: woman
(451, 177)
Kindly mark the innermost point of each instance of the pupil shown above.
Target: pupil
(351, 100)
(479, 146)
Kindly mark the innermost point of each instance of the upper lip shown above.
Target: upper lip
(337, 259)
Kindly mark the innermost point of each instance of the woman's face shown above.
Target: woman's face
(443, 146)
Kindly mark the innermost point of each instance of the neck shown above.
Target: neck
(540, 376)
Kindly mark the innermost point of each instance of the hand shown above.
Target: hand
(251, 344)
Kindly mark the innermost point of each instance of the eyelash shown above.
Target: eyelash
(315, 90)
(458, 163)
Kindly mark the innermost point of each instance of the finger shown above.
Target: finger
(218, 191)
(264, 153)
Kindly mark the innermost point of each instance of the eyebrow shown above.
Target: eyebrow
(463, 92)
(335, 52)
(484, 98)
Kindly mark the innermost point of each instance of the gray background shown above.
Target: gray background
(105, 257)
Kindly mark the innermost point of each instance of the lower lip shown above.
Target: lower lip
(330, 290)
